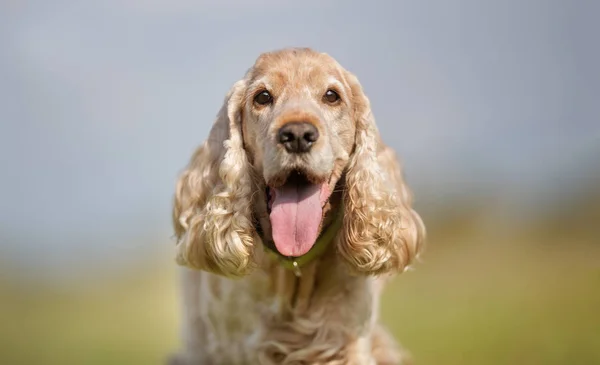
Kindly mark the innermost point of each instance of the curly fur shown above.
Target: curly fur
(213, 202)
(328, 315)
(382, 232)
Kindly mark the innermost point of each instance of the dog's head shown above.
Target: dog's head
(294, 145)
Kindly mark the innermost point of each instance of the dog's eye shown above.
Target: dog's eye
(331, 97)
(263, 98)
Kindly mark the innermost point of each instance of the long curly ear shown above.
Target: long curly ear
(382, 233)
(212, 212)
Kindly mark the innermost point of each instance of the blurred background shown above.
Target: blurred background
(492, 105)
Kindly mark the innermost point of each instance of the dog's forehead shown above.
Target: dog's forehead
(295, 66)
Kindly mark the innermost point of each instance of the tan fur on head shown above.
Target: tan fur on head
(212, 211)
(381, 231)
(214, 207)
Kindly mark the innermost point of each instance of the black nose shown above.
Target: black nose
(298, 137)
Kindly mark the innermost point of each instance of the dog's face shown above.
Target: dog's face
(294, 145)
(298, 128)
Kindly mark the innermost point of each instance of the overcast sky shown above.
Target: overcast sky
(102, 103)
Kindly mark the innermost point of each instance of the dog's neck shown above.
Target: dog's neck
(294, 286)
(294, 279)
(295, 293)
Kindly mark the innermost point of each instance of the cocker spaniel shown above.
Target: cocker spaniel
(290, 218)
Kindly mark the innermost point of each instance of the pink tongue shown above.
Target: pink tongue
(295, 218)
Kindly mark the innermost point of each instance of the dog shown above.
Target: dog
(290, 218)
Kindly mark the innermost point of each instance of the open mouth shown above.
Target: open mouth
(296, 212)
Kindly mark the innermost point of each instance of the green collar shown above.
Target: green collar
(295, 263)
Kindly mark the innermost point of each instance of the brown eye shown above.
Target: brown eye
(331, 96)
(263, 98)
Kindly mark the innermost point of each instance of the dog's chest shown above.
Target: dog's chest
(235, 312)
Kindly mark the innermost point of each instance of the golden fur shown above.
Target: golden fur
(239, 305)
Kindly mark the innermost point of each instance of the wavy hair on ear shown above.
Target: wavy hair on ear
(381, 232)
(212, 211)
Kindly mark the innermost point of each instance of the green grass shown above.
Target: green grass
(500, 305)
(130, 322)
(470, 303)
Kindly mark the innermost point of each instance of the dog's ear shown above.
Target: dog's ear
(212, 214)
(382, 233)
